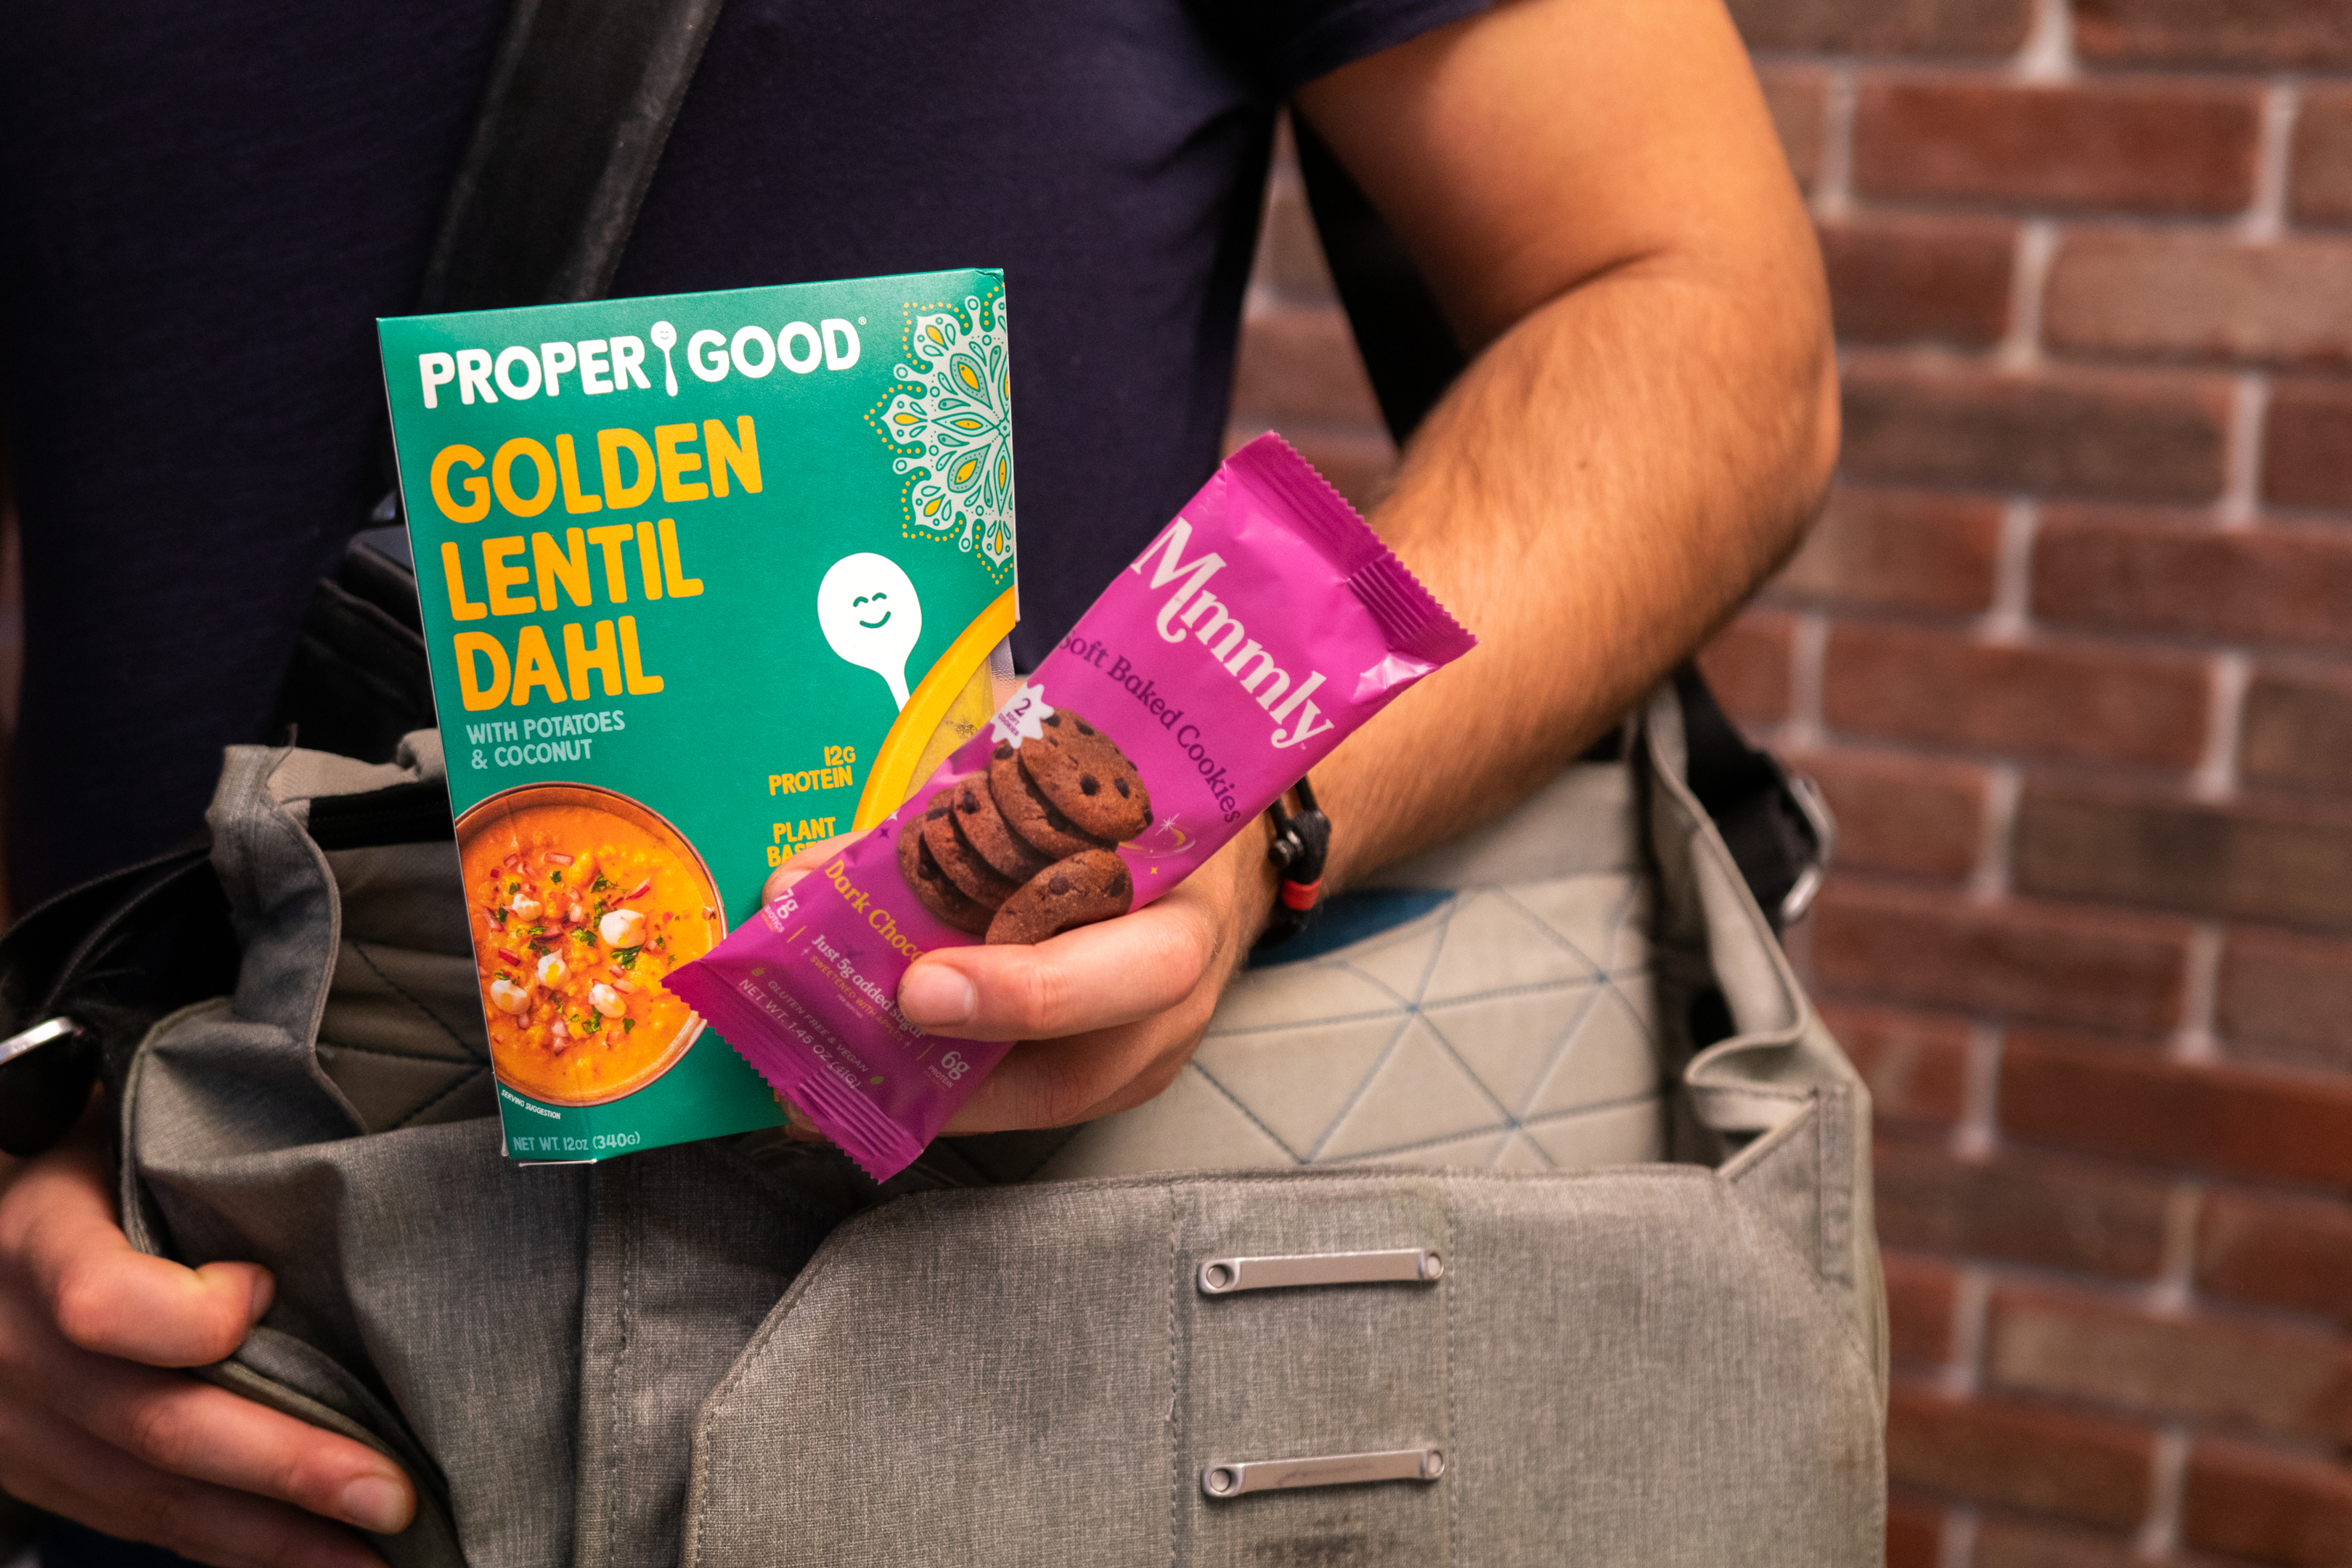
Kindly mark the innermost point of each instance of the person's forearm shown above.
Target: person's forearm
(1598, 491)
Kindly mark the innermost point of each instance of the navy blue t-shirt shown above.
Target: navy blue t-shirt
(203, 210)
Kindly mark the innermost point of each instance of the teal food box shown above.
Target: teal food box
(704, 578)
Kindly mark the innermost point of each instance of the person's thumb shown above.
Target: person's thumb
(807, 859)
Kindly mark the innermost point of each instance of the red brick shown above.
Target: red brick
(1798, 98)
(2295, 729)
(1290, 254)
(2024, 1456)
(1747, 664)
(1915, 1534)
(2210, 1367)
(2128, 145)
(1916, 1063)
(1921, 1296)
(1299, 365)
(2013, 1543)
(1358, 465)
(2307, 444)
(2285, 863)
(2080, 702)
(2263, 34)
(2118, 570)
(2273, 1251)
(1876, 27)
(1906, 279)
(2138, 435)
(2102, 970)
(2267, 1506)
(2220, 1117)
(2021, 1207)
(1909, 815)
(2319, 182)
(1903, 550)
(2286, 993)
(2201, 296)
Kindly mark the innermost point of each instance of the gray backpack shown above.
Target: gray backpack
(739, 1351)
(1571, 1262)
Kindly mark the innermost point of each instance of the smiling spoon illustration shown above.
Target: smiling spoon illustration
(666, 339)
(871, 617)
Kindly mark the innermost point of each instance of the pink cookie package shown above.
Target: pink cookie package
(1262, 627)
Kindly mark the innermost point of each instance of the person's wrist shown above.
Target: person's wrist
(1257, 883)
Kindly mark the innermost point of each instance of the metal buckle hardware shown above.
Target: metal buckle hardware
(1807, 794)
(40, 1035)
(1232, 1478)
(1224, 1276)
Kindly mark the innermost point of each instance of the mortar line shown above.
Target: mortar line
(2004, 782)
(2173, 1289)
(2265, 216)
(2200, 989)
(2048, 52)
(1971, 1305)
(1834, 186)
(2242, 477)
(1956, 1547)
(2021, 346)
(2216, 777)
(1978, 1133)
(2012, 583)
(1809, 644)
(2169, 1467)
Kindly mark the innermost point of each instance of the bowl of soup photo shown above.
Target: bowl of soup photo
(582, 901)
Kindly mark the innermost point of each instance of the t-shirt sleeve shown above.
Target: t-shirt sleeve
(1288, 42)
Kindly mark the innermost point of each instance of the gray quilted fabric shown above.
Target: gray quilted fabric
(1511, 1029)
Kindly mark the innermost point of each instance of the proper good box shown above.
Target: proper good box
(704, 577)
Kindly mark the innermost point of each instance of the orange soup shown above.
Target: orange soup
(577, 913)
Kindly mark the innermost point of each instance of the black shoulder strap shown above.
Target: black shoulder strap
(1774, 826)
(1408, 349)
(581, 101)
(581, 97)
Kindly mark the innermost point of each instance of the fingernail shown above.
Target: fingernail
(933, 995)
(375, 1503)
(265, 1291)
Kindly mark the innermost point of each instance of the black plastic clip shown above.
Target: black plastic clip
(1302, 842)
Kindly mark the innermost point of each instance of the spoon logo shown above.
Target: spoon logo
(869, 612)
(665, 338)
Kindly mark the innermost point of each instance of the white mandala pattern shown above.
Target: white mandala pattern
(955, 411)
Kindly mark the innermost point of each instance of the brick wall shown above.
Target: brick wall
(2070, 653)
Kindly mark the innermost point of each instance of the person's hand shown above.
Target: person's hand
(91, 1428)
(1107, 1014)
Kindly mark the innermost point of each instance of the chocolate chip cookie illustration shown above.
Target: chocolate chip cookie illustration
(942, 898)
(974, 877)
(1076, 891)
(1029, 813)
(1083, 775)
(985, 829)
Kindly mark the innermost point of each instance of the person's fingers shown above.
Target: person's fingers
(1091, 978)
(57, 1231)
(79, 1308)
(177, 1424)
(1054, 1082)
(173, 1422)
(47, 1463)
(803, 860)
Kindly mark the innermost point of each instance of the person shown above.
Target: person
(205, 212)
